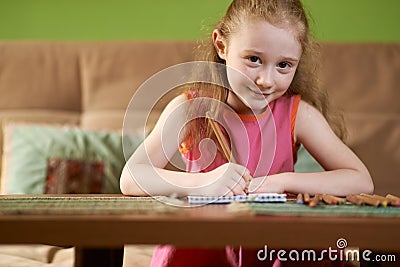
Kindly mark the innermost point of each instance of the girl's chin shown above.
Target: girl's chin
(256, 109)
(250, 105)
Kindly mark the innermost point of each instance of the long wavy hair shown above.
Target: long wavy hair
(280, 13)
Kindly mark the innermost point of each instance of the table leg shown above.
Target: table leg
(109, 257)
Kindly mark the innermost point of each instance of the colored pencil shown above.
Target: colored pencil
(394, 200)
(382, 200)
(328, 199)
(220, 137)
(314, 201)
(223, 143)
(306, 198)
(368, 200)
(340, 200)
(353, 199)
(299, 199)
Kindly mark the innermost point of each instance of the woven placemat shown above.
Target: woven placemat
(322, 209)
(84, 205)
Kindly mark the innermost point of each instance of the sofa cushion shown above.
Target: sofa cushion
(306, 163)
(37, 74)
(28, 148)
(362, 77)
(111, 73)
(36, 256)
(74, 176)
(362, 80)
(37, 116)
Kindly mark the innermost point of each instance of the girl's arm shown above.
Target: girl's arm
(144, 172)
(345, 173)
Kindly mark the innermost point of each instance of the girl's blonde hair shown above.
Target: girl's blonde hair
(280, 13)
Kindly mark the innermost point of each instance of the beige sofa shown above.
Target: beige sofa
(89, 84)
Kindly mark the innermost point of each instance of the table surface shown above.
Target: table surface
(205, 226)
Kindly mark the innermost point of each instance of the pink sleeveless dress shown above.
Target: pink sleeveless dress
(270, 149)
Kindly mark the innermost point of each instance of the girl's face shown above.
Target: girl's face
(266, 56)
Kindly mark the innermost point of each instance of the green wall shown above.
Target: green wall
(335, 20)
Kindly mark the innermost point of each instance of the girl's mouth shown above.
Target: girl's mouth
(260, 93)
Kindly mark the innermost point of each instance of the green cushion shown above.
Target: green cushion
(306, 163)
(32, 146)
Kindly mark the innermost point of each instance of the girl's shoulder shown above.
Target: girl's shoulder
(174, 108)
(306, 109)
(190, 94)
(309, 119)
(179, 99)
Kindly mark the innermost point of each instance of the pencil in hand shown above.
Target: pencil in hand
(220, 137)
(225, 146)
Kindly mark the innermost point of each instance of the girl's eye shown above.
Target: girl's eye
(284, 65)
(254, 59)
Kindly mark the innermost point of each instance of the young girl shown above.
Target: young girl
(268, 43)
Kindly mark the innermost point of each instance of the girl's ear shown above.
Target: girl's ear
(219, 43)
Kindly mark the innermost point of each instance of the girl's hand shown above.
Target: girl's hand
(267, 184)
(228, 179)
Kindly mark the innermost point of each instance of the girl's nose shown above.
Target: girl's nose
(264, 79)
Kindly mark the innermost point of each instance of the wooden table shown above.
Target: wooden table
(206, 226)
